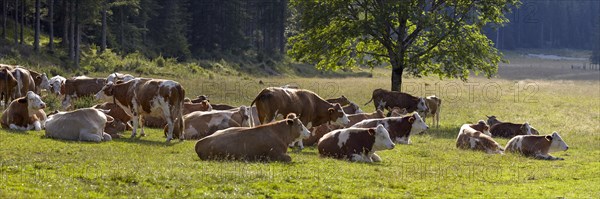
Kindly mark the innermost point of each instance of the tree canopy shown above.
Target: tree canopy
(420, 37)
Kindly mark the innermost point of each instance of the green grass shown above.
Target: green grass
(36, 167)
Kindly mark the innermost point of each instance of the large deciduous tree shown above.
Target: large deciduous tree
(421, 37)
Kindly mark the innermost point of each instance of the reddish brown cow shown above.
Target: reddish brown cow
(537, 146)
(434, 104)
(154, 97)
(352, 108)
(384, 99)
(319, 131)
(191, 107)
(355, 144)
(8, 84)
(117, 113)
(200, 124)
(40, 81)
(25, 113)
(472, 136)
(400, 128)
(79, 87)
(267, 142)
(24, 81)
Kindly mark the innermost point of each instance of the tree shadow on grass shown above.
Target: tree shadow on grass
(443, 132)
(139, 140)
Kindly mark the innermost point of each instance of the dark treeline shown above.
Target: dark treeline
(209, 29)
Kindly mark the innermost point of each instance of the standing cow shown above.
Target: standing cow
(8, 83)
(384, 99)
(310, 108)
(153, 97)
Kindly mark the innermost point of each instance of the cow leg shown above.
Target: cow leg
(135, 120)
(66, 102)
(141, 122)
(106, 137)
(86, 135)
(277, 155)
(356, 157)
(375, 157)
(170, 130)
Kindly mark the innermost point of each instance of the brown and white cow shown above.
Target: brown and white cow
(86, 124)
(384, 99)
(191, 107)
(8, 84)
(154, 97)
(40, 81)
(342, 100)
(537, 146)
(25, 82)
(397, 112)
(473, 136)
(352, 108)
(120, 116)
(400, 128)
(200, 124)
(355, 144)
(318, 131)
(268, 142)
(56, 83)
(509, 130)
(25, 113)
(79, 87)
(114, 77)
(311, 109)
(434, 105)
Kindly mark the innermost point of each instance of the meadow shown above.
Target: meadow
(32, 166)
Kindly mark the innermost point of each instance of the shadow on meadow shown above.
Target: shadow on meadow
(443, 132)
(141, 140)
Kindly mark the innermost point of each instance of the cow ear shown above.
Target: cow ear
(548, 137)
(22, 100)
(331, 110)
(411, 119)
(371, 131)
(289, 122)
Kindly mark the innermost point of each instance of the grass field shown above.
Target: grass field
(34, 167)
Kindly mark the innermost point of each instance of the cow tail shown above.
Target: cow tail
(19, 82)
(370, 100)
(179, 113)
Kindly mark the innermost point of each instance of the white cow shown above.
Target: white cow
(85, 124)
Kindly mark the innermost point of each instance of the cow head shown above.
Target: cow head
(422, 106)
(557, 143)
(106, 92)
(33, 101)
(297, 127)
(245, 113)
(526, 129)
(485, 128)
(337, 115)
(358, 110)
(205, 105)
(382, 138)
(492, 120)
(418, 125)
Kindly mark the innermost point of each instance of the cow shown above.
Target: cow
(397, 112)
(79, 87)
(40, 81)
(56, 83)
(154, 97)
(492, 120)
(355, 144)
(116, 112)
(342, 100)
(400, 128)
(25, 113)
(200, 124)
(537, 146)
(8, 83)
(200, 98)
(222, 107)
(384, 99)
(25, 82)
(434, 105)
(311, 109)
(114, 77)
(191, 107)
(159, 122)
(510, 130)
(473, 136)
(352, 108)
(318, 131)
(86, 124)
(267, 142)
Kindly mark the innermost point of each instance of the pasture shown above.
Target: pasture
(34, 167)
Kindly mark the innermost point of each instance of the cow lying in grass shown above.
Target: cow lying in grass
(537, 146)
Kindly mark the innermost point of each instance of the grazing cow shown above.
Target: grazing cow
(311, 109)
(434, 105)
(397, 112)
(200, 124)
(117, 113)
(318, 131)
(537, 146)
(191, 107)
(25, 82)
(8, 83)
(343, 101)
(266, 142)
(352, 108)
(79, 87)
(400, 128)
(153, 97)
(114, 77)
(86, 124)
(492, 120)
(509, 130)
(25, 113)
(40, 81)
(355, 144)
(56, 83)
(473, 136)
(384, 99)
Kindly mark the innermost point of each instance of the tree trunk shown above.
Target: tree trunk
(65, 11)
(72, 30)
(22, 26)
(4, 11)
(36, 39)
(103, 44)
(77, 35)
(16, 31)
(397, 70)
(121, 29)
(51, 23)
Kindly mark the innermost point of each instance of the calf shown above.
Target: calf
(318, 131)
(79, 87)
(537, 146)
(352, 108)
(343, 101)
(355, 144)
(434, 105)
(384, 99)
(56, 83)
(265, 142)
(198, 124)
(25, 113)
(509, 130)
(85, 124)
(153, 97)
(400, 128)
(473, 137)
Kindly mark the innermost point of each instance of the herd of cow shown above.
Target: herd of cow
(278, 118)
